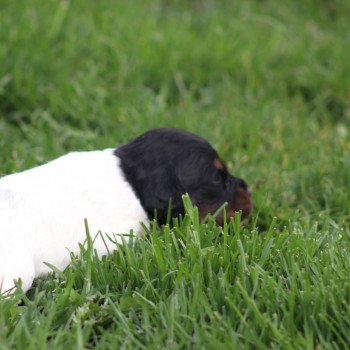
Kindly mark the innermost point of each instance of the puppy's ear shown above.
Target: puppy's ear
(159, 189)
(153, 180)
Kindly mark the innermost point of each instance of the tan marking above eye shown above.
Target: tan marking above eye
(218, 164)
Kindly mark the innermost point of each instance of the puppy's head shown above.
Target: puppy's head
(163, 164)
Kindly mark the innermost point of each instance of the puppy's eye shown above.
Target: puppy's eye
(218, 179)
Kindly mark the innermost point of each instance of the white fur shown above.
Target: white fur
(42, 213)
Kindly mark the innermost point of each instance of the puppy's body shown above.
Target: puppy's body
(42, 212)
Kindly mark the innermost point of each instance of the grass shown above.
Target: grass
(268, 84)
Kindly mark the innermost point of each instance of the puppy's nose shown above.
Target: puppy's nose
(243, 199)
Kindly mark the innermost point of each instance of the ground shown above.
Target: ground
(267, 83)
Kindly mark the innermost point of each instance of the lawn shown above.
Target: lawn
(267, 83)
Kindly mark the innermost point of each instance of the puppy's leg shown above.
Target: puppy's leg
(15, 264)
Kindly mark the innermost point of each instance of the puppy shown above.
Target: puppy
(42, 210)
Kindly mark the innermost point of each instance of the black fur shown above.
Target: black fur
(164, 164)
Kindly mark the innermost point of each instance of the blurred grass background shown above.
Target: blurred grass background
(266, 82)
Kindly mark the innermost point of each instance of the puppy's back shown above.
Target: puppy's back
(42, 210)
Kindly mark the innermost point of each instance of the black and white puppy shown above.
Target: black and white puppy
(42, 210)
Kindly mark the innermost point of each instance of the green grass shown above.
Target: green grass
(268, 84)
